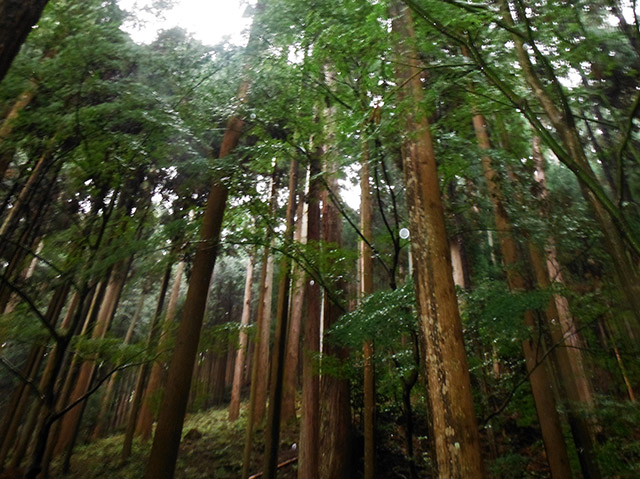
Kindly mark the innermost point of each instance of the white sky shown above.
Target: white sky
(210, 21)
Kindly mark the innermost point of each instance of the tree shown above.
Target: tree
(455, 430)
(17, 20)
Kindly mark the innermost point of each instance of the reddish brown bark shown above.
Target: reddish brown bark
(335, 407)
(156, 378)
(272, 430)
(107, 309)
(309, 463)
(236, 387)
(6, 154)
(292, 363)
(145, 369)
(539, 376)
(455, 430)
(366, 288)
(164, 451)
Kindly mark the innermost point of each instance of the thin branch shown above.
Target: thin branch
(86, 395)
(338, 204)
(16, 372)
(41, 317)
(42, 259)
(560, 343)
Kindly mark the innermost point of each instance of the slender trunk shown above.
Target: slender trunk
(6, 154)
(272, 431)
(292, 364)
(87, 369)
(366, 288)
(106, 404)
(56, 304)
(166, 441)
(564, 327)
(264, 325)
(143, 373)
(236, 388)
(336, 409)
(309, 458)
(539, 377)
(619, 238)
(256, 367)
(608, 334)
(156, 378)
(455, 429)
(36, 175)
(216, 378)
(17, 404)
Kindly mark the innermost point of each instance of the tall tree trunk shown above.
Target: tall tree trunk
(564, 326)
(366, 288)
(143, 373)
(263, 322)
(87, 369)
(236, 388)
(257, 368)
(106, 403)
(39, 170)
(6, 153)
(336, 409)
(156, 378)
(164, 452)
(309, 457)
(620, 239)
(455, 430)
(539, 377)
(292, 363)
(272, 431)
(54, 309)
(17, 17)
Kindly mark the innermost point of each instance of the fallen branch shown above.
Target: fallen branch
(282, 464)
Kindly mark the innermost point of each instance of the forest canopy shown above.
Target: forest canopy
(391, 238)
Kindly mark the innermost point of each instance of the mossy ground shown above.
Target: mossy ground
(211, 447)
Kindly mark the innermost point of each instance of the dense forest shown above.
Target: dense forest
(382, 239)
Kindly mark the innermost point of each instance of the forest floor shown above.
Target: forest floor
(211, 447)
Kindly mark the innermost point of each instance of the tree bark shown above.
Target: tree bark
(335, 399)
(6, 154)
(17, 17)
(309, 457)
(539, 377)
(620, 240)
(236, 388)
(157, 376)
(143, 373)
(366, 288)
(87, 369)
(164, 452)
(292, 363)
(106, 403)
(455, 430)
(272, 431)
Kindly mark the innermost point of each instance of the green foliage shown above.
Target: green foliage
(619, 451)
(111, 350)
(381, 317)
(497, 314)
